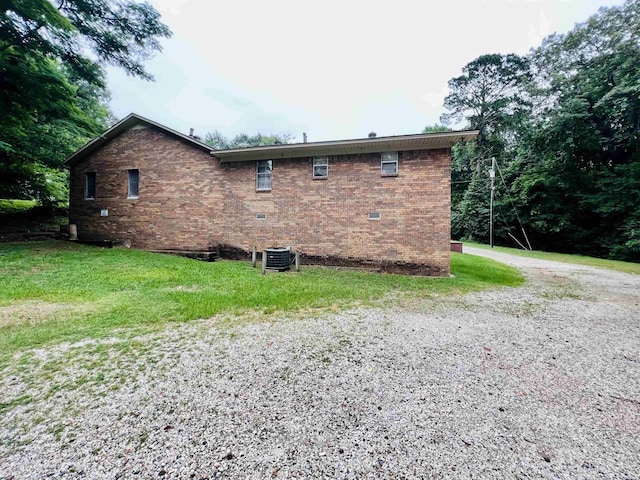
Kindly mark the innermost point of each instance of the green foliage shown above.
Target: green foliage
(122, 33)
(23, 216)
(463, 159)
(489, 96)
(85, 292)
(40, 128)
(15, 207)
(471, 214)
(586, 134)
(52, 92)
(618, 197)
(564, 124)
(219, 142)
(436, 128)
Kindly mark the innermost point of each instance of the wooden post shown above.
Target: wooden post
(254, 257)
(297, 261)
(264, 262)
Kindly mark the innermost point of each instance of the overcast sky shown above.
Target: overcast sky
(333, 69)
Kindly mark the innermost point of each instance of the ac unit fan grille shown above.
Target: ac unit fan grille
(278, 258)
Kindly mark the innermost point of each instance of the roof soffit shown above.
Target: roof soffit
(346, 147)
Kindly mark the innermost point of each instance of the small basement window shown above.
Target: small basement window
(261, 216)
(90, 185)
(134, 183)
(264, 169)
(375, 216)
(320, 167)
(389, 164)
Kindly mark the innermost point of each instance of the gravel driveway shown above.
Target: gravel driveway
(541, 381)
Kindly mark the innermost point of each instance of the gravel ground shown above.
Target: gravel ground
(541, 381)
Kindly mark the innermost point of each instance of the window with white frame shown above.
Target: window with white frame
(263, 175)
(90, 185)
(133, 183)
(320, 167)
(389, 163)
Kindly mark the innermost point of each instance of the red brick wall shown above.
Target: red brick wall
(189, 201)
(180, 197)
(330, 217)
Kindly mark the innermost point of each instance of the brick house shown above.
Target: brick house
(382, 201)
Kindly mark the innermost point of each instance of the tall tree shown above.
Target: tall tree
(578, 175)
(119, 32)
(52, 87)
(566, 131)
(39, 131)
(489, 96)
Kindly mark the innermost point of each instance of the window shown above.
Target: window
(389, 164)
(134, 181)
(263, 175)
(90, 185)
(261, 216)
(374, 216)
(320, 167)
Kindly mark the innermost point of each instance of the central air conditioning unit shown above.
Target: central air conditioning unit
(278, 258)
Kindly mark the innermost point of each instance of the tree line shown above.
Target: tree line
(563, 123)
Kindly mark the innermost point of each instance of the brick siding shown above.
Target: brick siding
(188, 200)
(179, 206)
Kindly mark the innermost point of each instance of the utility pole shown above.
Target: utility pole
(492, 176)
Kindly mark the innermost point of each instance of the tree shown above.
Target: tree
(219, 142)
(564, 123)
(52, 88)
(38, 133)
(121, 33)
(471, 215)
(489, 96)
(578, 175)
(436, 128)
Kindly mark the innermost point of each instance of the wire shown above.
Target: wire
(513, 206)
(461, 181)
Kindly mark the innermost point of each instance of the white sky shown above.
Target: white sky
(333, 69)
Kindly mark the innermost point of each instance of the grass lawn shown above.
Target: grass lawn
(627, 267)
(55, 291)
(13, 207)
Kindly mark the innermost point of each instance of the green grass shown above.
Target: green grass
(627, 267)
(15, 207)
(55, 291)
(23, 216)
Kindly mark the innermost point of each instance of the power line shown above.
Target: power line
(514, 207)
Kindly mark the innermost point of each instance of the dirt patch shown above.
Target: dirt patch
(34, 312)
(183, 288)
